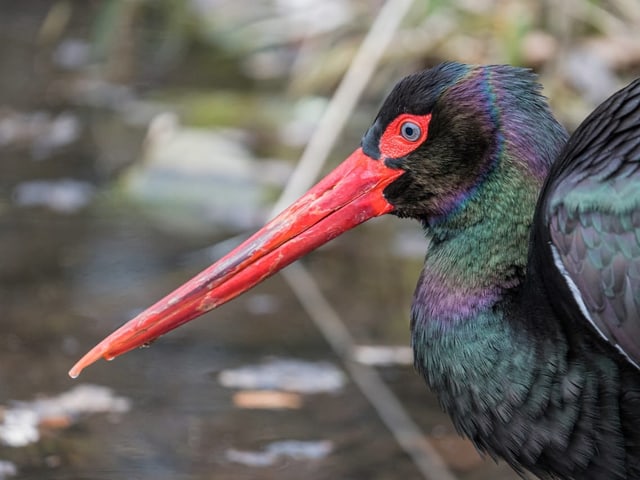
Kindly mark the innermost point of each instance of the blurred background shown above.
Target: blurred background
(139, 138)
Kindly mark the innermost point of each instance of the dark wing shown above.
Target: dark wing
(588, 220)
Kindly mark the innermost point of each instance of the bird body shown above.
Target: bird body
(521, 378)
(525, 319)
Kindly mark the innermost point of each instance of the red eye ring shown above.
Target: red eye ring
(404, 134)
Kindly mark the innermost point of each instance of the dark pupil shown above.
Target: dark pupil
(410, 131)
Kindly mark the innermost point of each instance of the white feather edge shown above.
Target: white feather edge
(577, 296)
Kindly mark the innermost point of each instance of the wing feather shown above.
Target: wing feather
(588, 221)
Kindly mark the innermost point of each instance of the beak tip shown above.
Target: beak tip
(90, 357)
(75, 371)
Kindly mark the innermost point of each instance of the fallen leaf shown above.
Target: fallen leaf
(267, 399)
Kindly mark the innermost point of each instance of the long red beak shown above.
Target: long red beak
(348, 196)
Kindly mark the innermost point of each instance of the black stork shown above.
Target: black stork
(525, 320)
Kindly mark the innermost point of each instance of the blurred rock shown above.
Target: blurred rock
(293, 449)
(72, 53)
(288, 375)
(41, 132)
(7, 469)
(196, 179)
(61, 196)
(19, 427)
(383, 355)
(22, 421)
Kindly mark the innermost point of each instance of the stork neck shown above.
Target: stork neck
(478, 253)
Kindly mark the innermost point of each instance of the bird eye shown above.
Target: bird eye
(410, 131)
